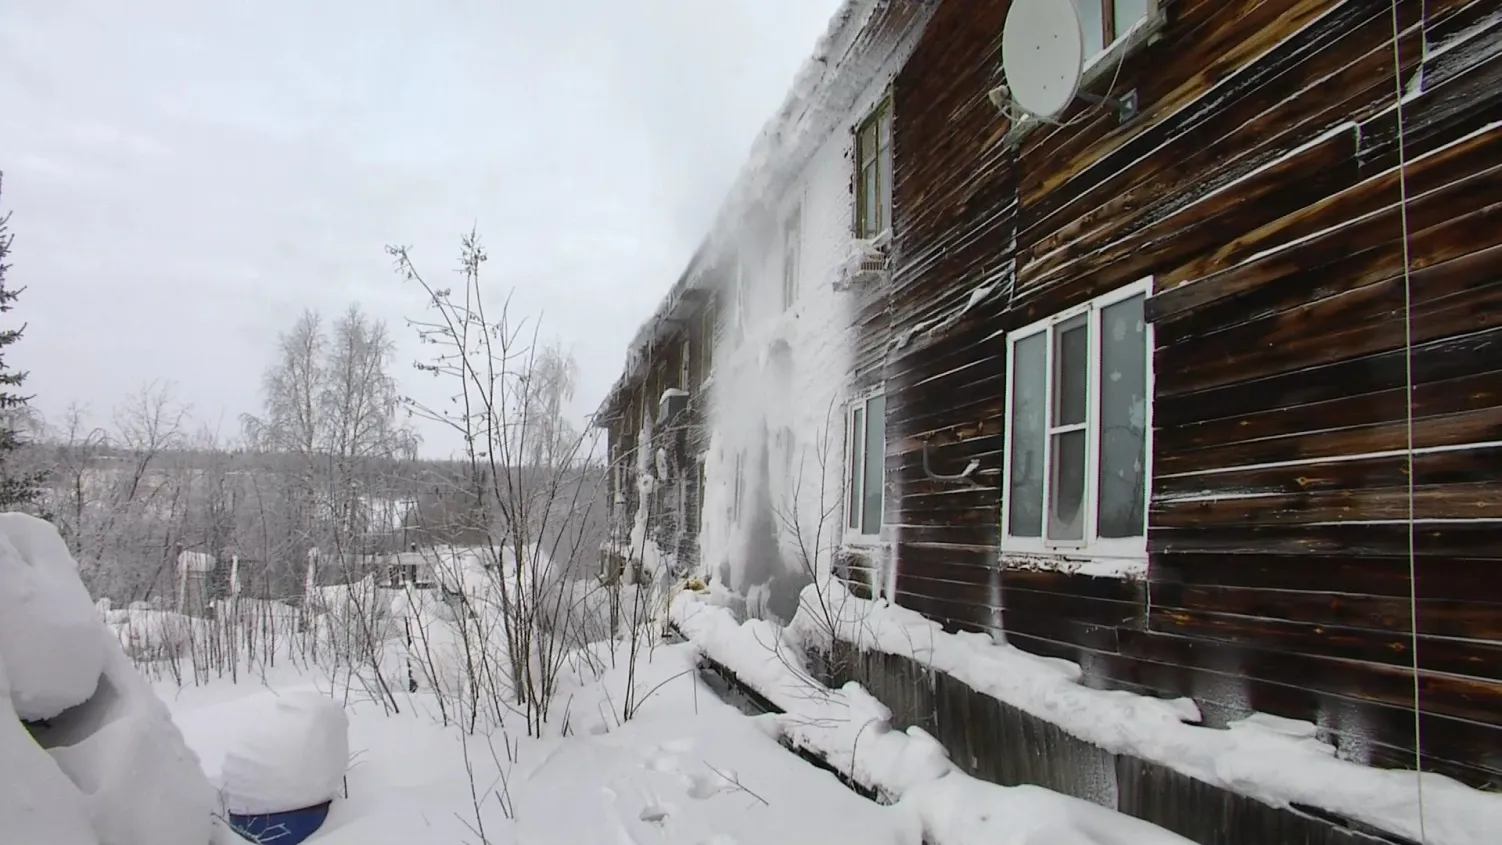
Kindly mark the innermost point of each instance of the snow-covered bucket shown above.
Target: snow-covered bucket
(286, 766)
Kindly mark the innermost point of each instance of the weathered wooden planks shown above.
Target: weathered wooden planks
(1259, 185)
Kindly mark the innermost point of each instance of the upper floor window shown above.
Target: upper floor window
(865, 465)
(873, 167)
(1078, 416)
(709, 324)
(792, 253)
(1104, 21)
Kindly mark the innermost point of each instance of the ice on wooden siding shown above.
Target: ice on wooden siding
(1470, 33)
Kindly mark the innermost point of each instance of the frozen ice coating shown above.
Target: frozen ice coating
(50, 636)
(37, 801)
(291, 752)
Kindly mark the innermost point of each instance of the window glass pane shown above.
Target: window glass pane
(1093, 22)
(1028, 423)
(1128, 12)
(884, 123)
(1070, 371)
(884, 187)
(853, 470)
(1066, 491)
(876, 448)
(870, 212)
(867, 150)
(1123, 419)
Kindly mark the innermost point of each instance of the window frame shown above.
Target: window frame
(879, 112)
(792, 256)
(855, 505)
(1090, 546)
(1110, 29)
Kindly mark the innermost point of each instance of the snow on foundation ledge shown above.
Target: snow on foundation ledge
(852, 731)
(1263, 757)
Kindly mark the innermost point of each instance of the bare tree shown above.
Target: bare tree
(333, 415)
(529, 477)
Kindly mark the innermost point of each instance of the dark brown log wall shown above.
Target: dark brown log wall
(1264, 126)
(953, 219)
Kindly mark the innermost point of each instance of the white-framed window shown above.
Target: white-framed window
(1104, 21)
(873, 171)
(685, 359)
(792, 254)
(1079, 427)
(865, 464)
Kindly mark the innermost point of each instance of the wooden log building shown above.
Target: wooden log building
(1230, 361)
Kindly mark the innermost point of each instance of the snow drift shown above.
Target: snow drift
(49, 631)
(292, 754)
(103, 763)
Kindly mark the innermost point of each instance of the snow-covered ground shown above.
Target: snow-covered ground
(286, 712)
(686, 769)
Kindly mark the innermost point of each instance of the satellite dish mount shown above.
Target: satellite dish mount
(1043, 56)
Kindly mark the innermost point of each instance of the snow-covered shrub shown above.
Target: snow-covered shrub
(149, 635)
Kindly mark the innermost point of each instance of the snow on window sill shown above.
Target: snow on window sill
(1121, 568)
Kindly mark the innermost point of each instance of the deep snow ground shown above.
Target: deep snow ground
(687, 768)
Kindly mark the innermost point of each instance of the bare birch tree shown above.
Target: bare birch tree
(528, 474)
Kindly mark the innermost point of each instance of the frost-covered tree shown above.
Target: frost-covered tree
(19, 487)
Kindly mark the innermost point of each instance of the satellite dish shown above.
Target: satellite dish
(1043, 55)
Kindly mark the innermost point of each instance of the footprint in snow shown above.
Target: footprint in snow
(655, 813)
(709, 784)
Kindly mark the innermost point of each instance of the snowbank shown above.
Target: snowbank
(1274, 760)
(49, 631)
(852, 731)
(139, 781)
(291, 753)
(119, 772)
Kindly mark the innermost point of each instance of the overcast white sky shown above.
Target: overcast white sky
(187, 176)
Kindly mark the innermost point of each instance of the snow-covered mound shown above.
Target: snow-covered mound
(37, 801)
(292, 754)
(103, 763)
(49, 631)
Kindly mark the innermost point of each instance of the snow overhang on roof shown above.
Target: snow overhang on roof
(824, 92)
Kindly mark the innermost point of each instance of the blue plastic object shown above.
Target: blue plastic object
(288, 828)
